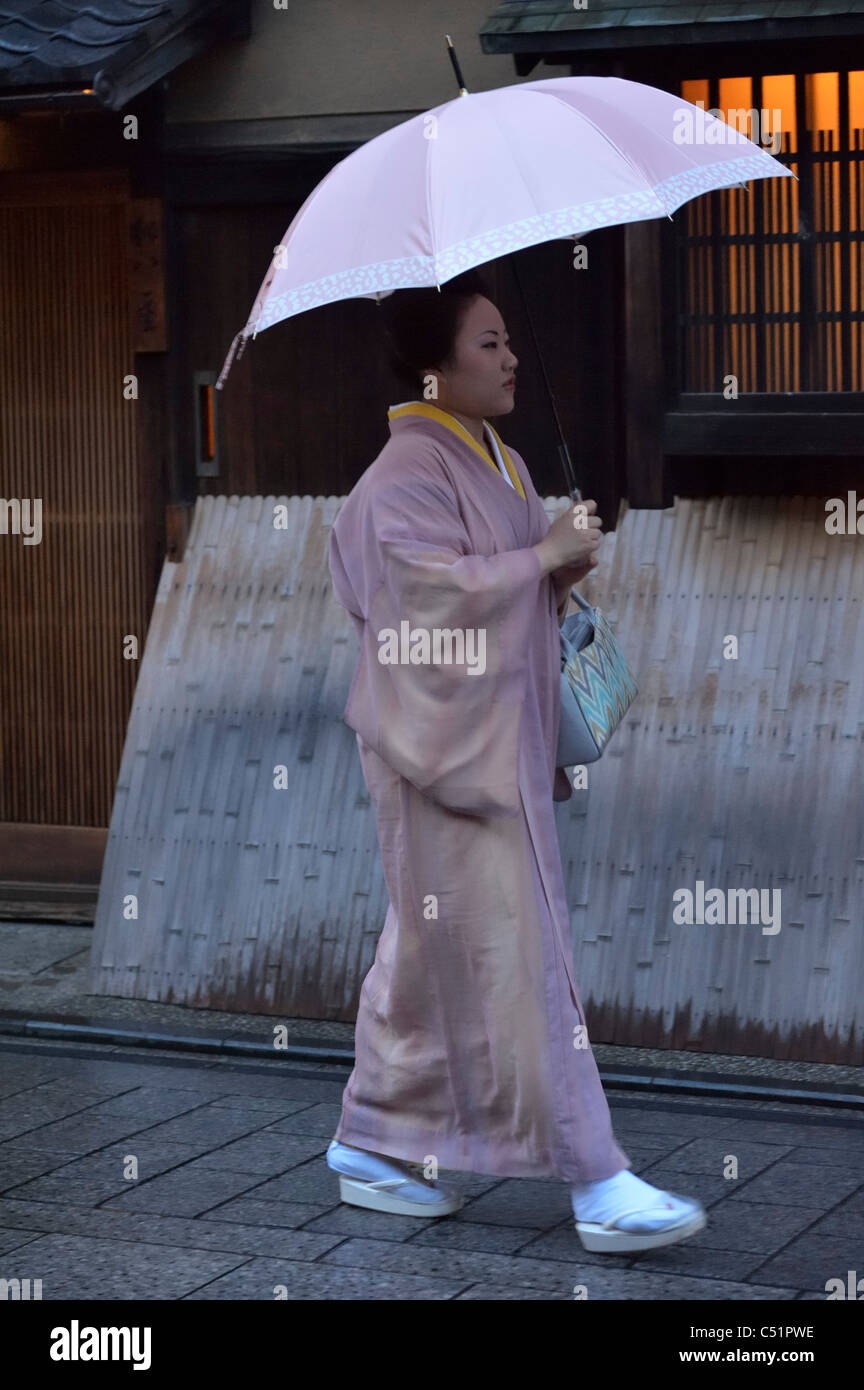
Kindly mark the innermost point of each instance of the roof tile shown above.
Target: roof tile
(533, 16)
(48, 41)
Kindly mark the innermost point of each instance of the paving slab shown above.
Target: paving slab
(11, 1239)
(183, 1192)
(137, 1227)
(525, 1271)
(520, 1202)
(265, 1279)
(19, 1162)
(90, 1180)
(451, 1235)
(809, 1261)
(263, 1153)
(254, 1211)
(83, 1267)
(787, 1183)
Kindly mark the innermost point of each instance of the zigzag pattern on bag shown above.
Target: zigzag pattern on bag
(600, 678)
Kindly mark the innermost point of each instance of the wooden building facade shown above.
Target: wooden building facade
(140, 257)
(763, 285)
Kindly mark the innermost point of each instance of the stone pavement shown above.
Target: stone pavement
(233, 1198)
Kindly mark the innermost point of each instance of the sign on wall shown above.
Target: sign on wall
(146, 275)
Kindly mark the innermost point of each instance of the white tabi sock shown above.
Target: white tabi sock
(605, 1199)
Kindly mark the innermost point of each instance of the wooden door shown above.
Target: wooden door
(73, 582)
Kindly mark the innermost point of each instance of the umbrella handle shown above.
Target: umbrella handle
(569, 475)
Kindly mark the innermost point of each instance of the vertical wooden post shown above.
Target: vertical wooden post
(646, 482)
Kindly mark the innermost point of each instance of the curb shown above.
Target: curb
(632, 1079)
(195, 1042)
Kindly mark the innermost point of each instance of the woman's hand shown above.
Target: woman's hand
(567, 575)
(571, 541)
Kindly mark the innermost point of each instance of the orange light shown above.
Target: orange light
(211, 433)
(205, 405)
(822, 91)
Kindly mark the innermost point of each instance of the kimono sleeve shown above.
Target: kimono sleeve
(444, 649)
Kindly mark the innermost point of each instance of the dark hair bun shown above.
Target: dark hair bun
(421, 324)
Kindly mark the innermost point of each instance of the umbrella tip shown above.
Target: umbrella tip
(451, 53)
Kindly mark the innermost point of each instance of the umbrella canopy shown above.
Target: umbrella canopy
(492, 172)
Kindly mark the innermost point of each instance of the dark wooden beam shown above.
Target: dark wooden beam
(51, 853)
(261, 137)
(645, 483)
(733, 431)
(155, 437)
(202, 181)
(617, 40)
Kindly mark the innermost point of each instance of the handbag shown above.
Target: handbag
(597, 688)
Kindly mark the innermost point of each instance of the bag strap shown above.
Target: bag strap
(583, 603)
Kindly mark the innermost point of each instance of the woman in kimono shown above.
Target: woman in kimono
(471, 1041)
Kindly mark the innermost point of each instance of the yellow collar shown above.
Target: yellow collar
(432, 412)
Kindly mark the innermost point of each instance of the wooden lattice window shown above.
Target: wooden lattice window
(769, 280)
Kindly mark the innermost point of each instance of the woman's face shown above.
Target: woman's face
(479, 379)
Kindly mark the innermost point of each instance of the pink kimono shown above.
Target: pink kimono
(468, 1046)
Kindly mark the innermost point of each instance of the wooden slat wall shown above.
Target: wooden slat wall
(67, 436)
(742, 773)
(249, 897)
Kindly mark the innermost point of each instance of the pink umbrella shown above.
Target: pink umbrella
(492, 172)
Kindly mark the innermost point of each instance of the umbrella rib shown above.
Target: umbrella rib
(525, 184)
(429, 218)
(599, 130)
